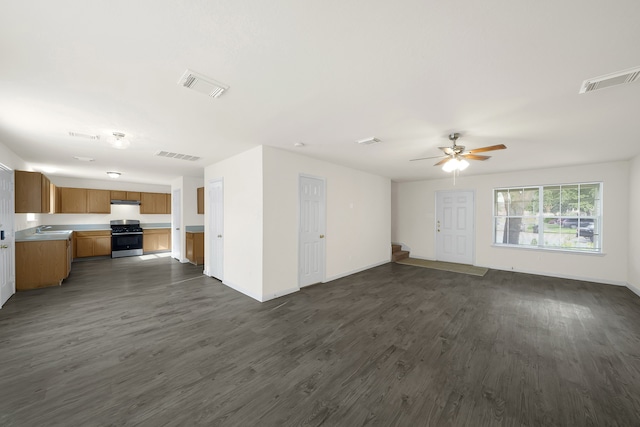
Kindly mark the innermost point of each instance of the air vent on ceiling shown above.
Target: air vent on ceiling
(177, 156)
(84, 135)
(203, 84)
(368, 141)
(608, 80)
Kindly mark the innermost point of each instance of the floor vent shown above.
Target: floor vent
(199, 83)
(177, 156)
(608, 80)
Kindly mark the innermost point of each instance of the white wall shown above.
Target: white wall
(358, 224)
(242, 177)
(414, 218)
(633, 276)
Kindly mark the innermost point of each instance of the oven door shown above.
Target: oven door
(126, 244)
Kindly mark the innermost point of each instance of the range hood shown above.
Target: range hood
(125, 202)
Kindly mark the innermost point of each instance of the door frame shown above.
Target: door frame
(324, 227)
(209, 242)
(473, 223)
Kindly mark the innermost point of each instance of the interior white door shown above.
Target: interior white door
(216, 225)
(454, 226)
(176, 227)
(312, 231)
(7, 241)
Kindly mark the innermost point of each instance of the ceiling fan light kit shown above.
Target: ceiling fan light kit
(455, 157)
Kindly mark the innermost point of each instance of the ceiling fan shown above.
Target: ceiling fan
(455, 157)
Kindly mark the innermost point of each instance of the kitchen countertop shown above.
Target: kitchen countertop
(44, 236)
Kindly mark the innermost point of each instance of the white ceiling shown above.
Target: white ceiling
(326, 73)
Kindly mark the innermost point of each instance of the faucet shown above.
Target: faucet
(42, 227)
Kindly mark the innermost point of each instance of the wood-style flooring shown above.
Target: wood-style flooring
(155, 343)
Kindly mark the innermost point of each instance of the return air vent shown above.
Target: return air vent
(84, 135)
(177, 156)
(608, 80)
(203, 84)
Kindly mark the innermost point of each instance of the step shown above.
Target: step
(398, 255)
(395, 248)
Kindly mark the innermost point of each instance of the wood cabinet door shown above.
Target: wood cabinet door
(118, 195)
(98, 201)
(28, 187)
(45, 194)
(133, 195)
(189, 247)
(84, 247)
(73, 200)
(201, 200)
(102, 245)
(149, 242)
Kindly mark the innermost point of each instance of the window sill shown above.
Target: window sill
(538, 249)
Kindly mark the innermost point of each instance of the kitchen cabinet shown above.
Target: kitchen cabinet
(32, 192)
(125, 195)
(98, 201)
(156, 239)
(155, 203)
(195, 247)
(72, 200)
(92, 243)
(42, 263)
(201, 200)
(83, 200)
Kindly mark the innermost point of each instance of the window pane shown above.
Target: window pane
(531, 201)
(589, 198)
(500, 202)
(551, 201)
(569, 200)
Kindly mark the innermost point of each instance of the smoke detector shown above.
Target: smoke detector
(203, 84)
(608, 80)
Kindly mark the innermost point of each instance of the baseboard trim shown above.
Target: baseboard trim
(358, 270)
(562, 276)
(278, 294)
(242, 290)
(633, 288)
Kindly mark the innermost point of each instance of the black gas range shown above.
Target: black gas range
(126, 238)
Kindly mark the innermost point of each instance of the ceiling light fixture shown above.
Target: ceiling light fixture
(120, 143)
(299, 144)
(455, 164)
(114, 175)
(84, 159)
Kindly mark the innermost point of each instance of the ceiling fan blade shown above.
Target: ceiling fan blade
(425, 158)
(443, 161)
(474, 156)
(447, 150)
(490, 148)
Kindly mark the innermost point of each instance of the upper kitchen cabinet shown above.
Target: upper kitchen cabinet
(155, 203)
(83, 200)
(200, 200)
(125, 195)
(33, 192)
(98, 201)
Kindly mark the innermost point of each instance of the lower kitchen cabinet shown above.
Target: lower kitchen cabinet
(40, 264)
(195, 247)
(92, 243)
(156, 239)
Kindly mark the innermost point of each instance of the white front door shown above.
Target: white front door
(176, 221)
(312, 230)
(216, 225)
(7, 246)
(454, 226)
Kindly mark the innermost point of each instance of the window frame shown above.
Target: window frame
(596, 218)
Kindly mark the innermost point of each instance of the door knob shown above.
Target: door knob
(4, 247)
(322, 236)
(220, 235)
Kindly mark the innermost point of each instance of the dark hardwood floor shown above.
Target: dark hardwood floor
(156, 343)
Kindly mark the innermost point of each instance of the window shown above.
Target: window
(567, 217)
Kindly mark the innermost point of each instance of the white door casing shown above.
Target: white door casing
(7, 245)
(311, 258)
(216, 227)
(455, 236)
(176, 225)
